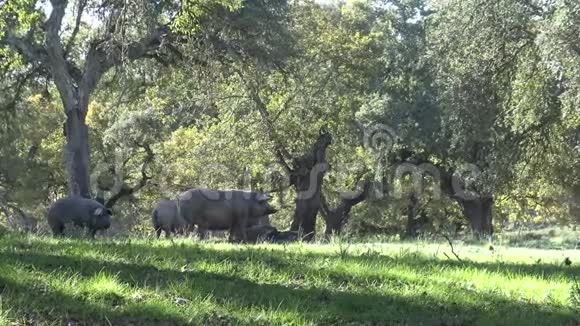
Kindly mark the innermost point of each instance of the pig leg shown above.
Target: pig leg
(243, 225)
(158, 232)
(91, 233)
(177, 230)
(57, 229)
(174, 230)
(234, 234)
(244, 234)
(202, 230)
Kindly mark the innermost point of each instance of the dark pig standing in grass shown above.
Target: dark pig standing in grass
(267, 233)
(81, 211)
(259, 233)
(285, 237)
(232, 210)
(166, 219)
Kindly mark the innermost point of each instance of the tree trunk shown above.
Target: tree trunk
(412, 212)
(332, 228)
(574, 206)
(308, 187)
(307, 177)
(76, 153)
(337, 218)
(478, 213)
(333, 224)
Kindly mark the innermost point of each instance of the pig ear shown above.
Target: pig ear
(98, 211)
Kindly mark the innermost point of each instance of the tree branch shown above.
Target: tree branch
(19, 87)
(58, 65)
(452, 249)
(128, 191)
(104, 54)
(337, 218)
(71, 40)
(351, 201)
(279, 150)
(31, 53)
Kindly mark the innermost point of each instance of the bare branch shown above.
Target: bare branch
(337, 218)
(279, 150)
(71, 40)
(451, 245)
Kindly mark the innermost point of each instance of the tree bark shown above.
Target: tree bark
(476, 207)
(308, 189)
(307, 176)
(337, 218)
(412, 212)
(76, 153)
(478, 212)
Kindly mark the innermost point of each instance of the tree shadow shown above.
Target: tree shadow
(49, 305)
(314, 305)
(543, 271)
(281, 260)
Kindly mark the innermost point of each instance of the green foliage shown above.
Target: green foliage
(19, 12)
(195, 13)
(458, 82)
(546, 238)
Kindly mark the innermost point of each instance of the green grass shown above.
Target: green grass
(549, 237)
(140, 282)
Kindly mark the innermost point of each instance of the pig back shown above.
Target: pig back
(217, 208)
(70, 209)
(166, 209)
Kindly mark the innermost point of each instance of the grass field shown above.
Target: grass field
(142, 282)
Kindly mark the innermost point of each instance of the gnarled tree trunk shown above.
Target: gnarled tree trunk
(416, 217)
(412, 212)
(306, 173)
(307, 177)
(476, 206)
(337, 218)
(308, 189)
(478, 211)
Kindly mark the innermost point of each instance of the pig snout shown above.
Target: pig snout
(269, 209)
(103, 222)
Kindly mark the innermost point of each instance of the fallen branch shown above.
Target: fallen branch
(452, 250)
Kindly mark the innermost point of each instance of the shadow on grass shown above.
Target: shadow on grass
(313, 305)
(32, 306)
(281, 260)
